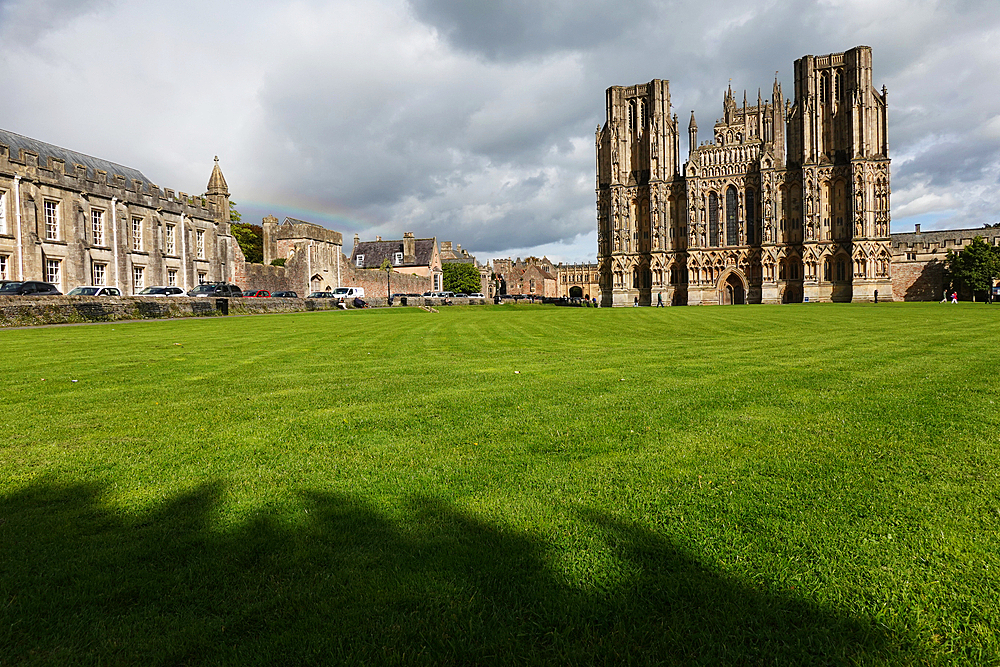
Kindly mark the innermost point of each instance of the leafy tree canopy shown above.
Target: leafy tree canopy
(250, 237)
(974, 266)
(461, 278)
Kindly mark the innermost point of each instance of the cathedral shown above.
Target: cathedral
(788, 201)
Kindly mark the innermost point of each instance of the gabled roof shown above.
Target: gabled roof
(376, 251)
(16, 142)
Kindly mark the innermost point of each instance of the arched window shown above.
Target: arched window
(840, 269)
(631, 116)
(713, 219)
(838, 88)
(751, 219)
(824, 87)
(732, 206)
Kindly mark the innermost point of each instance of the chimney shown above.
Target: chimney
(409, 249)
(916, 229)
(357, 240)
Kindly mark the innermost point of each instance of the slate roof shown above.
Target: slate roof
(16, 142)
(376, 251)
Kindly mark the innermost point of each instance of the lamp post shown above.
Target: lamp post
(388, 288)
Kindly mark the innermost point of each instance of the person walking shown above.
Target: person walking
(635, 302)
(876, 296)
(659, 300)
(954, 296)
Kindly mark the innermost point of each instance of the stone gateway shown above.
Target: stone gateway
(788, 201)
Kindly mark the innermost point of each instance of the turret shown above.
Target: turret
(218, 193)
(692, 134)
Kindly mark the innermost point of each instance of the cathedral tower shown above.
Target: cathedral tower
(638, 174)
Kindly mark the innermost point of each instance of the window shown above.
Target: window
(3, 212)
(200, 234)
(137, 234)
(138, 273)
(51, 220)
(713, 219)
(359, 261)
(911, 255)
(97, 226)
(172, 277)
(169, 240)
(397, 258)
(732, 231)
(201, 278)
(3, 268)
(52, 271)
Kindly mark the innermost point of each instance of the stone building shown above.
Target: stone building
(918, 260)
(788, 201)
(578, 280)
(529, 277)
(407, 256)
(71, 219)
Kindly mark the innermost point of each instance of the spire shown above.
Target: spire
(217, 183)
(218, 194)
(776, 91)
(692, 134)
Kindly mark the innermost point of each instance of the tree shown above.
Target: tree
(973, 268)
(460, 277)
(250, 237)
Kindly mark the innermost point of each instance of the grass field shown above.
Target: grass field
(806, 484)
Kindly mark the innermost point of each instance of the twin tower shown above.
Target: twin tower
(788, 200)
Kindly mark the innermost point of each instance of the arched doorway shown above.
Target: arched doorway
(733, 291)
(575, 292)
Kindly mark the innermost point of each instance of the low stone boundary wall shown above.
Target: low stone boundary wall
(34, 311)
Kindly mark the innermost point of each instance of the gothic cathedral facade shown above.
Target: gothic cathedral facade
(788, 202)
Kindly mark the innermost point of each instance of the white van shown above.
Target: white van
(349, 293)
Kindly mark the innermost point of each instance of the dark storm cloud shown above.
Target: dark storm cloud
(474, 121)
(520, 28)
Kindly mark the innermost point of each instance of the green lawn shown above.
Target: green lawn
(806, 484)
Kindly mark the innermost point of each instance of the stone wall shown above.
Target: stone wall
(918, 259)
(28, 311)
(918, 280)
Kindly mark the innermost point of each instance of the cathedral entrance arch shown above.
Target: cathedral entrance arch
(575, 292)
(733, 289)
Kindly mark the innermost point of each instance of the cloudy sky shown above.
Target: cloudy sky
(473, 120)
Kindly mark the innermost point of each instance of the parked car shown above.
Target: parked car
(285, 295)
(162, 291)
(94, 291)
(349, 292)
(216, 290)
(260, 293)
(29, 287)
(461, 295)
(477, 295)
(320, 295)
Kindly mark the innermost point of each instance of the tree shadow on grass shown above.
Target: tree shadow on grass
(81, 583)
